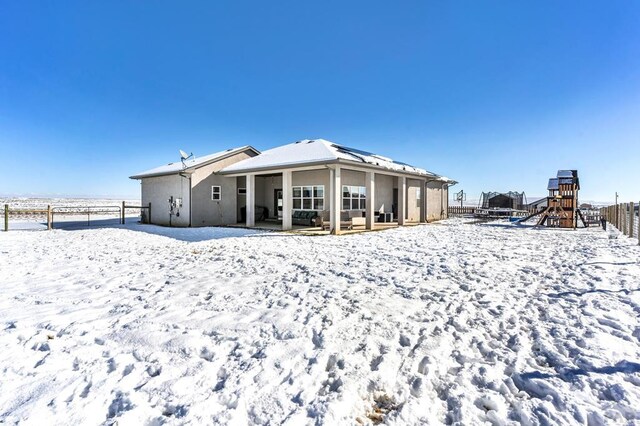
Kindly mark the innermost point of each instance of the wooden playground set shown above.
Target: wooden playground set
(562, 202)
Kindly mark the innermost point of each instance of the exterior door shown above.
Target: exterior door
(394, 206)
(278, 203)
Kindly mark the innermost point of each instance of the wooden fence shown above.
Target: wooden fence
(460, 211)
(624, 216)
(50, 212)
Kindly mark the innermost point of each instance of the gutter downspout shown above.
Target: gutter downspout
(442, 200)
(190, 195)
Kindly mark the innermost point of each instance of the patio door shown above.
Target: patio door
(277, 202)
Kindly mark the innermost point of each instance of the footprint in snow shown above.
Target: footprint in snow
(111, 365)
(207, 354)
(404, 341)
(119, 405)
(375, 362)
(41, 346)
(175, 410)
(423, 366)
(86, 389)
(334, 362)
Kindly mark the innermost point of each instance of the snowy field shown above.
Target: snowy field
(441, 323)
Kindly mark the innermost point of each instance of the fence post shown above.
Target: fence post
(149, 218)
(614, 215)
(49, 218)
(631, 214)
(122, 213)
(611, 214)
(619, 210)
(6, 217)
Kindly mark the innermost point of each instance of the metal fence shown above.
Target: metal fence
(49, 214)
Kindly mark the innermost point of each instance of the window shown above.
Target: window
(308, 197)
(216, 193)
(417, 197)
(354, 198)
(242, 191)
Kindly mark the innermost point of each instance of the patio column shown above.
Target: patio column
(370, 186)
(335, 201)
(251, 200)
(402, 199)
(423, 202)
(287, 200)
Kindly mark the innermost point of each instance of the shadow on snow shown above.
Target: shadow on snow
(567, 374)
(133, 224)
(595, 290)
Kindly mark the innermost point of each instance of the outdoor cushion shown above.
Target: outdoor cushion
(304, 217)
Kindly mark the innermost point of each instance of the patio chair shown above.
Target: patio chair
(323, 220)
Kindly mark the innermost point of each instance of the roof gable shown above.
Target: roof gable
(188, 166)
(297, 153)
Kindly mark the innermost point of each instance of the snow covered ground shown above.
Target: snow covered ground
(441, 323)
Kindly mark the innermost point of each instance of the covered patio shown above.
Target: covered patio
(356, 200)
(317, 186)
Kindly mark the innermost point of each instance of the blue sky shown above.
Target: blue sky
(496, 94)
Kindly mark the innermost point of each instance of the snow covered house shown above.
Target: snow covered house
(309, 182)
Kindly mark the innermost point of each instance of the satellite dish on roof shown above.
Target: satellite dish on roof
(184, 156)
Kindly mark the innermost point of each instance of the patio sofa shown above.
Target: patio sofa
(304, 217)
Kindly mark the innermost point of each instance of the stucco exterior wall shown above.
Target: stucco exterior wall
(157, 190)
(384, 193)
(352, 177)
(413, 204)
(208, 212)
(434, 201)
(311, 177)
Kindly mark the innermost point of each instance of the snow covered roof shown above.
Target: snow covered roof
(567, 173)
(318, 151)
(189, 165)
(564, 177)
